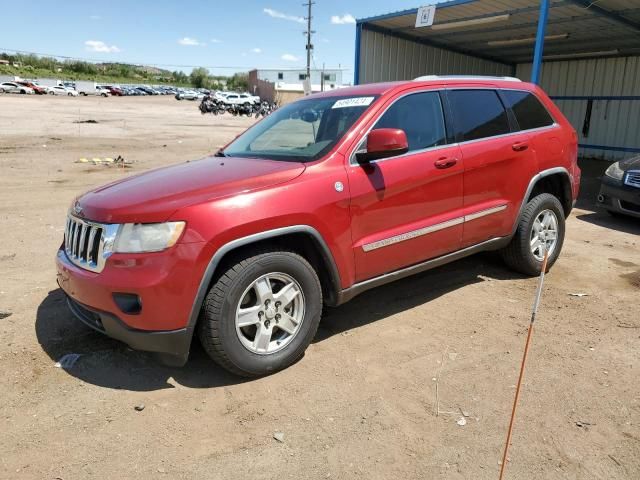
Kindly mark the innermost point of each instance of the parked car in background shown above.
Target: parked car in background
(147, 90)
(14, 87)
(338, 192)
(60, 90)
(115, 91)
(189, 95)
(240, 99)
(36, 88)
(620, 188)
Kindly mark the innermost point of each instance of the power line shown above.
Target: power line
(133, 64)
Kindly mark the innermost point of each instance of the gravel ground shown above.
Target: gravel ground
(362, 401)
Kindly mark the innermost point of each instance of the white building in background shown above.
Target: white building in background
(332, 78)
(287, 84)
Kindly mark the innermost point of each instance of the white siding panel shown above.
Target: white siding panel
(387, 58)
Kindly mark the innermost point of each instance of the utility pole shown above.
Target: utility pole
(309, 44)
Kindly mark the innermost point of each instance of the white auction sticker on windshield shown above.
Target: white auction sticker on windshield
(353, 102)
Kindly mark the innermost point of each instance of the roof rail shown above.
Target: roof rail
(465, 77)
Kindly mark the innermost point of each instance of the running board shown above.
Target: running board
(356, 289)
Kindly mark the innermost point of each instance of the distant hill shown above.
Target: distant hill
(33, 67)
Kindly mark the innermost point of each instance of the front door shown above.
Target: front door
(408, 208)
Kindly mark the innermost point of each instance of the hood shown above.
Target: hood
(153, 196)
(632, 163)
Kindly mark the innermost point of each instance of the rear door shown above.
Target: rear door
(406, 209)
(498, 163)
(545, 135)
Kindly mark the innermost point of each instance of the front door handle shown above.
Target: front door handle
(445, 162)
(520, 146)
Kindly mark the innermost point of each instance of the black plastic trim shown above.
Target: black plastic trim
(173, 345)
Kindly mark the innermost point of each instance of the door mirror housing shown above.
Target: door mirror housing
(384, 143)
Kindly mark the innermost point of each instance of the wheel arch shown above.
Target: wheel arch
(555, 181)
(302, 239)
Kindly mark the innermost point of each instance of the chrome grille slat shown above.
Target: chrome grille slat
(74, 239)
(66, 234)
(91, 255)
(81, 246)
(632, 178)
(83, 237)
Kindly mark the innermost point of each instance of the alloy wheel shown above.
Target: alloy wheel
(544, 234)
(270, 313)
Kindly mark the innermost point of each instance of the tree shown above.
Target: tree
(199, 77)
(239, 82)
(180, 77)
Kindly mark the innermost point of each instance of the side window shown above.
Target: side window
(529, 112)
(420, 116)
(478, 114)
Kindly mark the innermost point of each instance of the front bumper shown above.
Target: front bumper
(617, 197)
(165, 285)
(171, 346)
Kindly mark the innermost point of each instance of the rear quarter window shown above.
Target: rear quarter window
(529, 111)
(478, 114)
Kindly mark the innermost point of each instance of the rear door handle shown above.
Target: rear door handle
(445, 162)
(520, 146)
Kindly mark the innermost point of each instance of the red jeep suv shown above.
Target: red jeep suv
(325, 198)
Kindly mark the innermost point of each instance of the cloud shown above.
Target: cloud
(256, 50)
(215, 40)
(343, 20)
(189, 42)
(275, 14)
(99, 46)
(95, 17)
(287, 57)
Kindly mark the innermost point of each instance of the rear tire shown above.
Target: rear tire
(519, 254)
(257, 284)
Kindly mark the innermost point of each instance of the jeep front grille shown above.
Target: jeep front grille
(633, 178)
(88, 244)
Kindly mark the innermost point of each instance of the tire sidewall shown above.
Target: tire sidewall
(533, 209)
(306, 277)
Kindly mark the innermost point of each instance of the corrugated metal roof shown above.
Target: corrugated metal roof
(584, 27)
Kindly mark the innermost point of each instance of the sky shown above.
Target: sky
(237, 35)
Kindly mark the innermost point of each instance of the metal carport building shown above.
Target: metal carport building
(584, 53)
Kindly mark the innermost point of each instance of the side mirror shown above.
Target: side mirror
(384, 143)
(309, 116)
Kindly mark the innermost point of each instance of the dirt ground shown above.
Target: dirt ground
(361, 403)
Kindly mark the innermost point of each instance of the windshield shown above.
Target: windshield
(301, 131)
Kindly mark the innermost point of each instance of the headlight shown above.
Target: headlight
(147, 237)
(614, 171)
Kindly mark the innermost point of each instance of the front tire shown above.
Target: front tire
(262, 313)
(541, 226)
